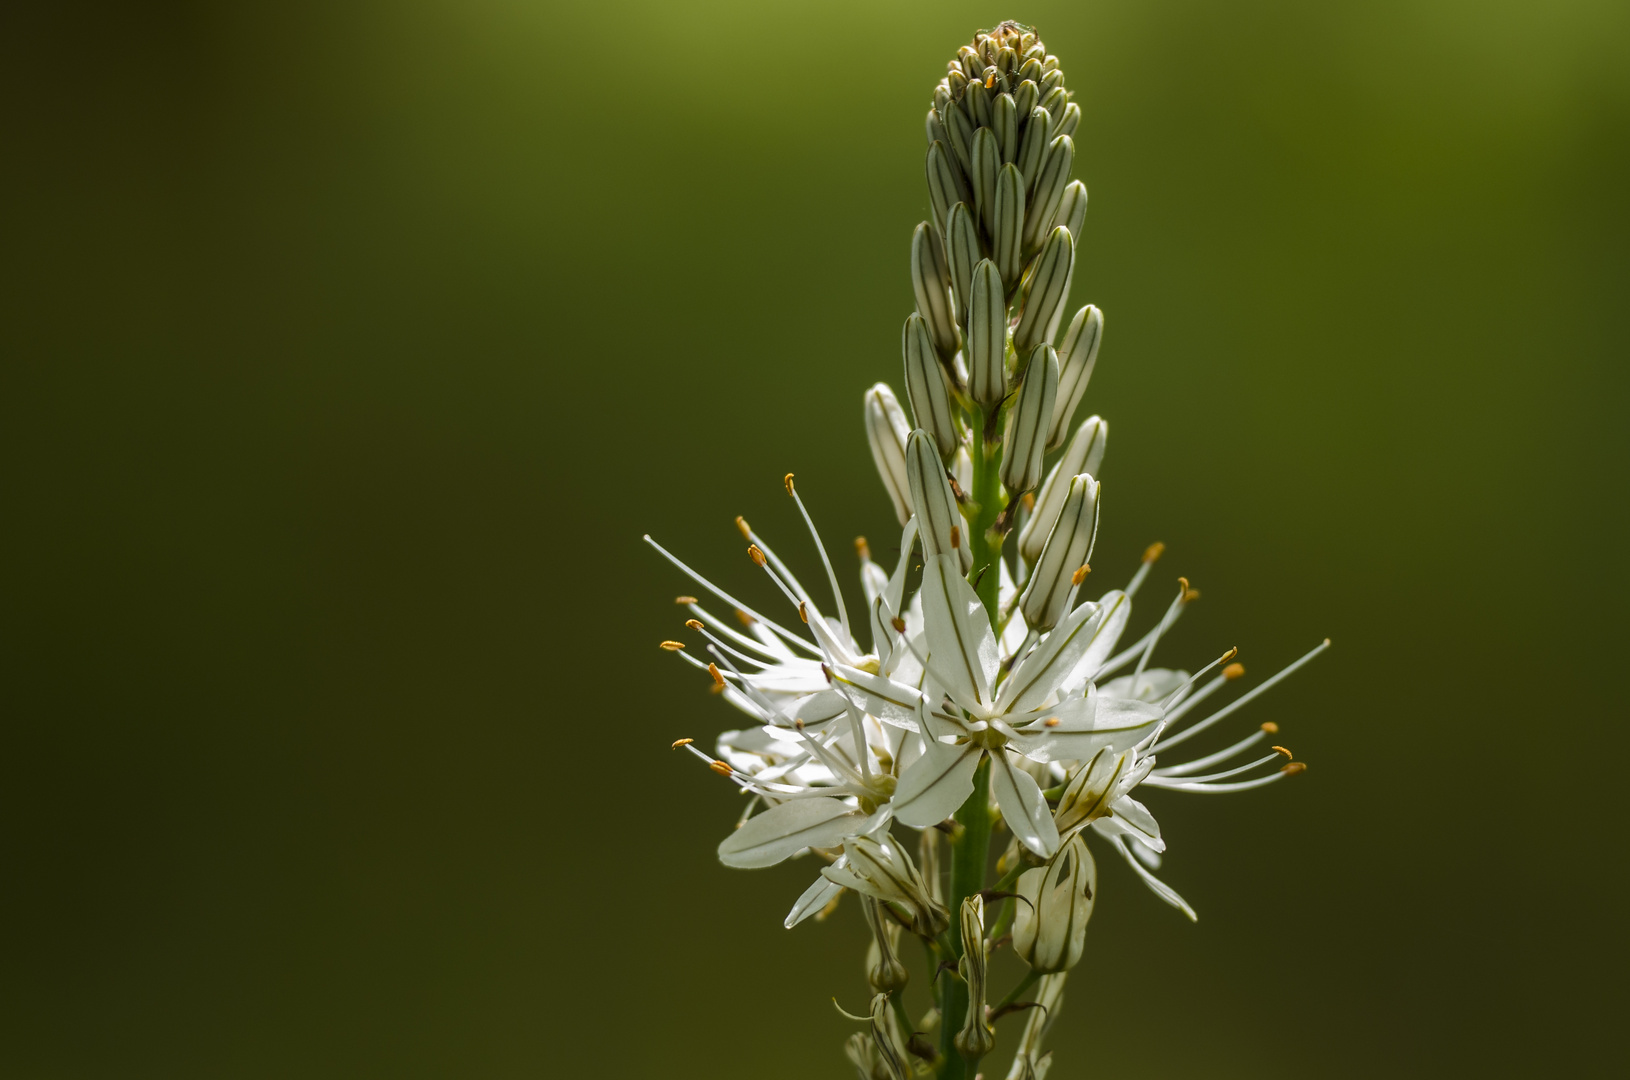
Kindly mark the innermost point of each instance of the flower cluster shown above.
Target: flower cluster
(978, 689)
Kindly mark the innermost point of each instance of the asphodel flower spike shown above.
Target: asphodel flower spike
(981, 686)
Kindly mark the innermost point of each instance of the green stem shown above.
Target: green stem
(969, 854)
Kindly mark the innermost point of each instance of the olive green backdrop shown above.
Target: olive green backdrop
(349, 349)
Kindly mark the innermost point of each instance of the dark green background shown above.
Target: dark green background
(350, 348)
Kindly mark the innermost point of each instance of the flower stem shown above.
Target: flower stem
(969, 853)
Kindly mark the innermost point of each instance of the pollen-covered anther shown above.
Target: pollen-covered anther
(899, 624)
(684, 599)
(1153, 551)
(1294, 767)
(1080, 574)
(755, 554)
(1231, 653)
(803, 612)
(742, 527)
(1282, 750)
(1271, 728)
(787, 480)
(673, 646)
(1051, 721)
(718, 679)
(681, 742)
(744, 618)
(862, 548)
(694, 624)
(1233, 671)
(1028, 501)
(956, 537)
(720, 767)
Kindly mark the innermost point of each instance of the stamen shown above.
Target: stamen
(744, 618)
(681, 742)
(718, 679)
(722, 768)
(755, 554)
(1293, 768)
(803, 612)
(747, 614)
(787, 480)
(1189, 781)
(673, 646)
(1151, 554)
(1234, 671)
(956, 537)
(1160, 628)
(1176, 696)
(863, 549)
(1080, 575)
(1247, 698)
(1270, 728)
(1287, 753)
(820, 548)
(684, 599)
(1213, 759)
(694, 624)
(745, 529)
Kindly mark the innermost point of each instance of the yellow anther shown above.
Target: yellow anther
(1051, 721)
(745, 529)
(694, 624)
(673, 646)
(718, 679)
(1293, 768)
(1231, 653)
(1080, 574)
(681, 742)
(720, 767)
(956, 537)
(1233, 671)
(1271, 728)
(787, 480)
(1282, 750)
(744, 618)
(862, 548)
(755, 554)
(803, 612)
(684, 599)
(899, 624)
(990, 81)
(1153, 551)
(1028, 501)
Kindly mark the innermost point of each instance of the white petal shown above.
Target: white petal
(1158, 887)
(961, 645)
(936, 784)
(1024, 808)
(889, 701)
(785, 830)
(1117, 724)
(1051, 662)
(1118, 609)
(816, 897)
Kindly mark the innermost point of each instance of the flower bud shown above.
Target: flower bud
(1084, 455)
(931, 282)
(1045, 294)
(1008, 225)
(1076, 357)
(1053, 100)
(1050, 184)
(1026, 96)
(925, 386)
(1024, 443)
(945, 186)
(884, 970)
(939, 522)
(1050, 931)
(1029, 1063)
(987, 162)
(962, 253)
(1091, 791)
(976, 102)
(1005, 125)
(960, 128)
(888, 431)
(881, 869)
(1038, 132)
(1072, 210)
(976, 1039)
(1068, 548)
(1069, 119)
(986, 341)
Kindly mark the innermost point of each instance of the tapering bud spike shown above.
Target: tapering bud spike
(962, 252)
(887, 430)
(939, 522)
(1076, 357)
(1051, 930)
(931, 283)
(1084, 455)
(1050, 185)
(925, 386)
(1024, 443)
(1072, 210)
(986, 342)
(1038, 133)
(987, 161)
(1045, 294)
(1068, 546)
(1008, 224)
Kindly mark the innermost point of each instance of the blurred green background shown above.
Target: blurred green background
(350, 348)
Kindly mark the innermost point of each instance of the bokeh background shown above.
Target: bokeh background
(350, 348)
